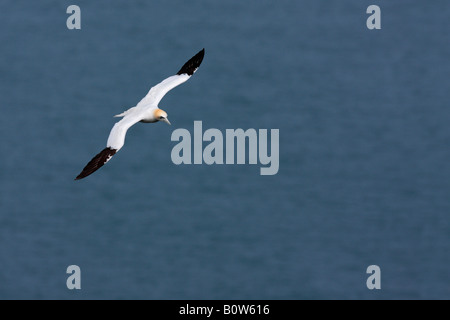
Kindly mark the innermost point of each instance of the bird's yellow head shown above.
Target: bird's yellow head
(161, 115)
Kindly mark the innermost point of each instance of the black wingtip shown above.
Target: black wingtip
(97, 162)
(192, 65)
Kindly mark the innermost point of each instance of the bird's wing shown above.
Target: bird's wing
(157, 92)
(116, 140)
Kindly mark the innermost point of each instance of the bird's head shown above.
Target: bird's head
(161, 115)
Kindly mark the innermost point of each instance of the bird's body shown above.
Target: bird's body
(145, 111)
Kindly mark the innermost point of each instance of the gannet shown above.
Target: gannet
(146, 111)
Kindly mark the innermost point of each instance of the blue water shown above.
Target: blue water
(364, 173)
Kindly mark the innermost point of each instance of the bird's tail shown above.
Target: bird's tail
(97, 162)
(123, 114)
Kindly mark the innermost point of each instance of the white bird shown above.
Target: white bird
(146, 111)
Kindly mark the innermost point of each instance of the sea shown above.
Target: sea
(359, 208)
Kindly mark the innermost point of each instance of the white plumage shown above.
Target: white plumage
(145, 111)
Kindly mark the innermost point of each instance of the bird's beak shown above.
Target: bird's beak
(166, 121)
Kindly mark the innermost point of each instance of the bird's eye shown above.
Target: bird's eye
(161, 117)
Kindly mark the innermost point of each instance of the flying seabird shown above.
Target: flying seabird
(146, 111)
